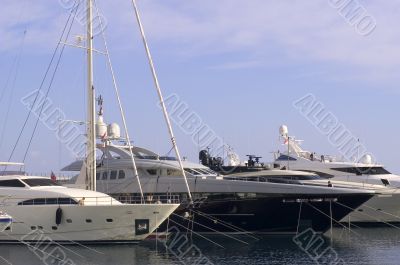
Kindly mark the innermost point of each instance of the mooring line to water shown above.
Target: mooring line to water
(376, 219)
(214, 230)
(225, 224)
(209, 240)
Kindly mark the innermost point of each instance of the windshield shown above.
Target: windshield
(363, 170)
(40, 182)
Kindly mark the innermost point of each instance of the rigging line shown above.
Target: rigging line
(42, 82)
(17, 66)
(198, 234)
(393, 215)
(326, 215)
(370, 216)
(119, 101)
(233, 227)
(298, 220)
(211, 229)
(49, 88)
(161, 98)
(15, 58)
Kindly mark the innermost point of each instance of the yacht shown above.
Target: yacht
(44, 211)
(382, 208)
(223, 203)
(40, 209)
(5, 221)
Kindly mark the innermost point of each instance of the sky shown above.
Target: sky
(236, 65)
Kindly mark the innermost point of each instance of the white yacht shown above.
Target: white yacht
(382, 208)
(43, 210)
(224, 203)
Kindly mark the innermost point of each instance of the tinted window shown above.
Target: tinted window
(97, 175)
(113, 174)
(363, 170)
(121, 174)
(44, 201)
(152, 171)
(104, 176)
(286, 158)
(11, 183)
(191, 171)
(40, 182)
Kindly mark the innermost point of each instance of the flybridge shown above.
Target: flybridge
(6, 171)
(12, 164)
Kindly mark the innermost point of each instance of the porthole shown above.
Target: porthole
(88, 220)
(40, 227)
(109, 220)
(69, 221)
(33, 227)
(54, 227)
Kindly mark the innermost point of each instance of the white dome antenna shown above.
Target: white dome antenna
(283, 131)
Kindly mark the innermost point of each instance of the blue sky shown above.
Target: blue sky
(238, 65)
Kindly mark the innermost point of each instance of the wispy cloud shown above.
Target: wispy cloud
(300, 30)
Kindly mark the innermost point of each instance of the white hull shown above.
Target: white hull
(38, 223)
(379, 209)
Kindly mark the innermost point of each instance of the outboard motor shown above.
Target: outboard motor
(204, 157)
(59, 214)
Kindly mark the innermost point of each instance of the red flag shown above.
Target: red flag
(53, 177)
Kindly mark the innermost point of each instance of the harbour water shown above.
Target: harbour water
(360, 246)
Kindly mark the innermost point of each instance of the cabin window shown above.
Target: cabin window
(97, 175)
(109, 220)
(54, 227)
(15, 183)
(192, 171)
(69, 221)
(363, 170)
(44, 201)
(285, 158)
(173, 172)
(152, 171)
(121, 174)
(88, 220)
(113, 174)
(105, 175)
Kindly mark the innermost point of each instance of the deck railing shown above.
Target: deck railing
(89, 201)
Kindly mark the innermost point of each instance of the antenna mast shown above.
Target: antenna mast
(91, 111)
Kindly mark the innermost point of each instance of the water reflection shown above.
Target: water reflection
(362, 246)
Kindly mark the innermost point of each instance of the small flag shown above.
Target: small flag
(104, 136)
(53, 177)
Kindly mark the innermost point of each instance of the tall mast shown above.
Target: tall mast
(161, 98)
(91, 111)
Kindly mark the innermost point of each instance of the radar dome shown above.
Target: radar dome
(101, 127)
(366, 159)
(114, 131)
(283, 130)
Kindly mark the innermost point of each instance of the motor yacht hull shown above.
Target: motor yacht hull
(275, 214)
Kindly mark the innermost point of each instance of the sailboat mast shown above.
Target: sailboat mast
(91, 111)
